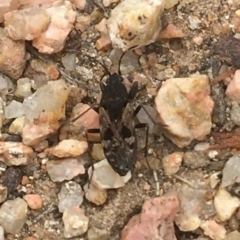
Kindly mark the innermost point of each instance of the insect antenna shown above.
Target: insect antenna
(120, 59)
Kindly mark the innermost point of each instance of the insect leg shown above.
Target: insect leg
(145, 125)
(90, 146)
(139, 107)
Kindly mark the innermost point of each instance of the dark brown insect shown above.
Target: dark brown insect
(117, 127)
(227, 49)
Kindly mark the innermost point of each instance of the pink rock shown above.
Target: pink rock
(172, 31)
(12, 62)
(26, 24)
(172, 163)
(233, 89)
(37, 131)
(41, 146)
(34, 201)
(198, 40)
(62, 18)
(7, 6)
(103, 43)
(155, 221)
(184, 107)
(89, 119)
(68, 148)
(15, 153)
(214, 230)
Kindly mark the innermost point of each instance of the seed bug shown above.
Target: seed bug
(117, 127)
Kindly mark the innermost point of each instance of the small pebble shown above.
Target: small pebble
(13, 215)
(95, 195)
(34, 201)
(172, 163)
(98, 234)
(68, 148)
(113, 180)
(198, 40)
(67, 169)
(75, 222)
(225, 204)
(71, 194)
(25, 180)
(214, 230)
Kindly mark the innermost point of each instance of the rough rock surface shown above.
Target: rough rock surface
(135, 23)
(47, 113)
(15, 154)
(155, 221)
(12, 62)
(6, 6)
(15, 23)
(62, 18)
(184, 107)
